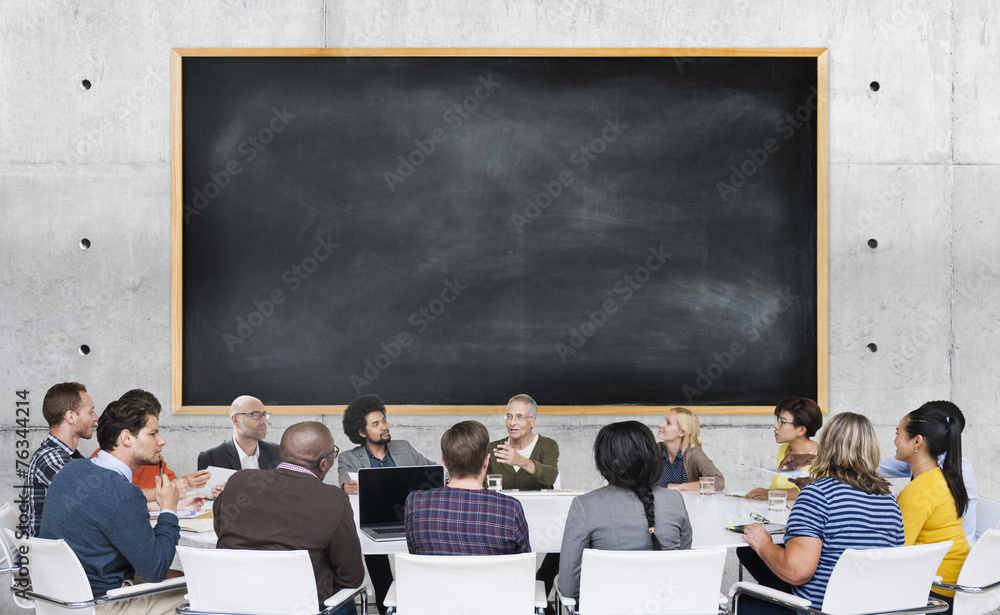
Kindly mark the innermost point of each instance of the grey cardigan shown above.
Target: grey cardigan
(402, 455)
(612, 518)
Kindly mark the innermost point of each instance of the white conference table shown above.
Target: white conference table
(546, 512)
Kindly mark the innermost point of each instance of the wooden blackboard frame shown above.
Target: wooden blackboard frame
(822, 198)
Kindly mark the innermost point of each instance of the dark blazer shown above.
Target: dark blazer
(226, 456)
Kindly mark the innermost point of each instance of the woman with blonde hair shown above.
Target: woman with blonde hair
(684, 462)
(848, 507)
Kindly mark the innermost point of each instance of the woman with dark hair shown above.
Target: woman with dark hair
(632, 513)
(796, 421)
(935, 500)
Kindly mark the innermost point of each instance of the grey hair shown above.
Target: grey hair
(521, 397)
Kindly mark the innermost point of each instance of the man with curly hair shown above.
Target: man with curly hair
(365, 424)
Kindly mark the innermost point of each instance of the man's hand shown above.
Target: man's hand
(756, 536)
(505, 453)
(216, 490)
(165, 493)
(802, 482)
(756, 494)
(197, 480)
(350, 486)
(192, 502)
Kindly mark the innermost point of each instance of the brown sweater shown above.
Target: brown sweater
(697, 464)
(287, 510)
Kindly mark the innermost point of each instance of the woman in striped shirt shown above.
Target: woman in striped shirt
(848, 507)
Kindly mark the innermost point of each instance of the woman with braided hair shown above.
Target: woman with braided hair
(632, 513)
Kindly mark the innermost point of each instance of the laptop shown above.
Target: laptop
(382, 497)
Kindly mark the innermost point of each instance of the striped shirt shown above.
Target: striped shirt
(452, 521)
(672, 473)
(50, 457)
(843, 518)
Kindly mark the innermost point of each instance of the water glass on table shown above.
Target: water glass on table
(494, 482)
(706, 485)
(776, 500)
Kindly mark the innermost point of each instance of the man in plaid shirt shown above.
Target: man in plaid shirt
(463, 518)
(69, 411)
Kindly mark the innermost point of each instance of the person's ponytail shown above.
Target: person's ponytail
(952, 467)
(940, 424)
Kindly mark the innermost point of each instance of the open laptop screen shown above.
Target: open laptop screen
(382, 491)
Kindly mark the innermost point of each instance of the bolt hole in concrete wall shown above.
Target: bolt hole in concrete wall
(872, 347)
(872, 243)
(874, 86)
(85, 243)
(85, 84)
(84, 349)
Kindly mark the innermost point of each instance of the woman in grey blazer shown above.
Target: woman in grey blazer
(632, 513)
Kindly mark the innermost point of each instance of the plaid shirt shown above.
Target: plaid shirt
(449, 521)
(50, 457)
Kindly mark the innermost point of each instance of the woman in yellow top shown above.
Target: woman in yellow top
(796, 420)
(935, 500)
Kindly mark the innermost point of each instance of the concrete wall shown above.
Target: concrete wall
(914, 165)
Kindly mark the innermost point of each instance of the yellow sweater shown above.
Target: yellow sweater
(929, 516)
(780, 482)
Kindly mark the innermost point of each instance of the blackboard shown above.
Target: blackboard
(596, 230)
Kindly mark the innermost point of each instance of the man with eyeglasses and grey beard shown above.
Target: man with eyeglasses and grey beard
(292, 508)
(246, 450)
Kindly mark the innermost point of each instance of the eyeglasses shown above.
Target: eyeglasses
(255, 415)
(520, 418)
(780, 422)
(758, 518)
(334, 452)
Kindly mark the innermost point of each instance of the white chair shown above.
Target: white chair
(221, 581)
(59, 585)
(896, 580)
(651, 582)
(977, 590)
(466, 585)
(11, 556)
(987, 515)
(8, 521)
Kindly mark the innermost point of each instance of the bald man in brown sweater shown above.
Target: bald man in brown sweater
(291, 508)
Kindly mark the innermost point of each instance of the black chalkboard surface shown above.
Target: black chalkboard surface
(450, 231)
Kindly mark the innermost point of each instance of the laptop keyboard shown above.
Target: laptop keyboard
(388, 530)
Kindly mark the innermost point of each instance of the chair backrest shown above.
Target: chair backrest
(653, 582)
(987, 515)
(249, 582)
(981, 568)
(55, 572)
(8, 521)
(878, 580)
(465, 584)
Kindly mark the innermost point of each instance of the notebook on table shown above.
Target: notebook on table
(382, 497)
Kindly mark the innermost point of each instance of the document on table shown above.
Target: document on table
(784, 473)
(197, 525)
(219, 476)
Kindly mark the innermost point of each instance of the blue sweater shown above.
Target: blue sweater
(104, 519)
